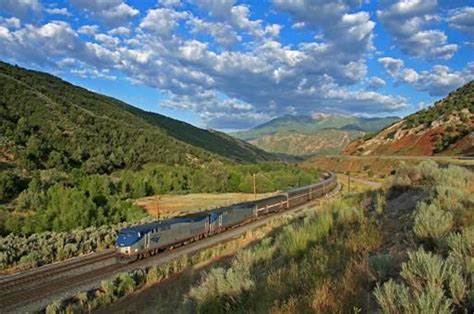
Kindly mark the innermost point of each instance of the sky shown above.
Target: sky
(231, 65)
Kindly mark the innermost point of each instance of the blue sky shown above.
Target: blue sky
(229, 64)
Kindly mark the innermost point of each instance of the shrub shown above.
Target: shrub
(461, 244)
(424, 269)
(125, 286)
(296, 238)
(385, 266)
(380, 202)
(392, 297)
(218, 284)
(456, 284)
(431, 222)
(431, 300)
(54, 307)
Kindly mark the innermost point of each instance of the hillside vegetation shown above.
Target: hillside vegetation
(48, 123)
(446, 128)
(320, 134)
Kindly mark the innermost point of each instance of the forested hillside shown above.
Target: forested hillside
(319, 134)
(48, 123)
(444, 128)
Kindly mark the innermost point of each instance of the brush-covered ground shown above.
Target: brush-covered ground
(406, 248)
(377, 168)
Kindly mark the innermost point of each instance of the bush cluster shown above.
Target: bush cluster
(48, 247)
(312, 265)
(437, 277)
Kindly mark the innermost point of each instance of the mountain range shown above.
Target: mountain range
(316, 134)
(445, 128)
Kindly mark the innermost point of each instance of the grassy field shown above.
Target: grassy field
(164, 206)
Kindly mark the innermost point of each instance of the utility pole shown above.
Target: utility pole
(157, 207)
(348, 182)
(254, 186)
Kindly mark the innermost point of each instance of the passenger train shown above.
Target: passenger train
(148, 239)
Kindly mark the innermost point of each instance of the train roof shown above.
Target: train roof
(168, 222)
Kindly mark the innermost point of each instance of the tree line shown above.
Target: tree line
(56, 201)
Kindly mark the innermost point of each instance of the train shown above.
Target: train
(141, 241)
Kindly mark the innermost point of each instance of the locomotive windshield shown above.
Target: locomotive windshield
(127, 237)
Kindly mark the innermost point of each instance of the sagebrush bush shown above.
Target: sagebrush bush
(456, 284)
(424, 269)
(462, 243)
(393, 298)
(295, 238)
(431, 300)
(453, 176)
(220, 283)
(431, 222)
(384, 265)
(426, 170)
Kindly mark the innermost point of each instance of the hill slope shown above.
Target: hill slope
(46, 122)
(310, 135)
(445, 128)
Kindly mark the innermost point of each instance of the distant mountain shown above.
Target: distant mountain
(46, 123)
(446, 128)
(320, 133)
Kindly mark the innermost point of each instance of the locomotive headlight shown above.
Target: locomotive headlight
(136, 250)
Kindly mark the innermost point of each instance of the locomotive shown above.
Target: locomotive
(148, 239)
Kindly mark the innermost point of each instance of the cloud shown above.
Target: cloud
(227, 88)
(21, 8)
(375, 83)
(237, 16)
(57, 41)
(233, 70)
(107, 40)
(111, 12)
(462, 19)
(221, 32)
(170, 3)
(438, 81)
(220, 9)
(88, 72)
(120, 31)
(347, 36)
(162, 21)
(58, 11)
(406, 21)
(11, 22)
(88, 29)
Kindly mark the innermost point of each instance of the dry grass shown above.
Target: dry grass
(376, 167)
(356, 187)
(172, 205)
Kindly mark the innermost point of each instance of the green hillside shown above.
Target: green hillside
(319, 134)
(46, 122)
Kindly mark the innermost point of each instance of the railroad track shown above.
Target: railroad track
(29, 287)
(33, 293)
(8, 282)
(37, 283)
